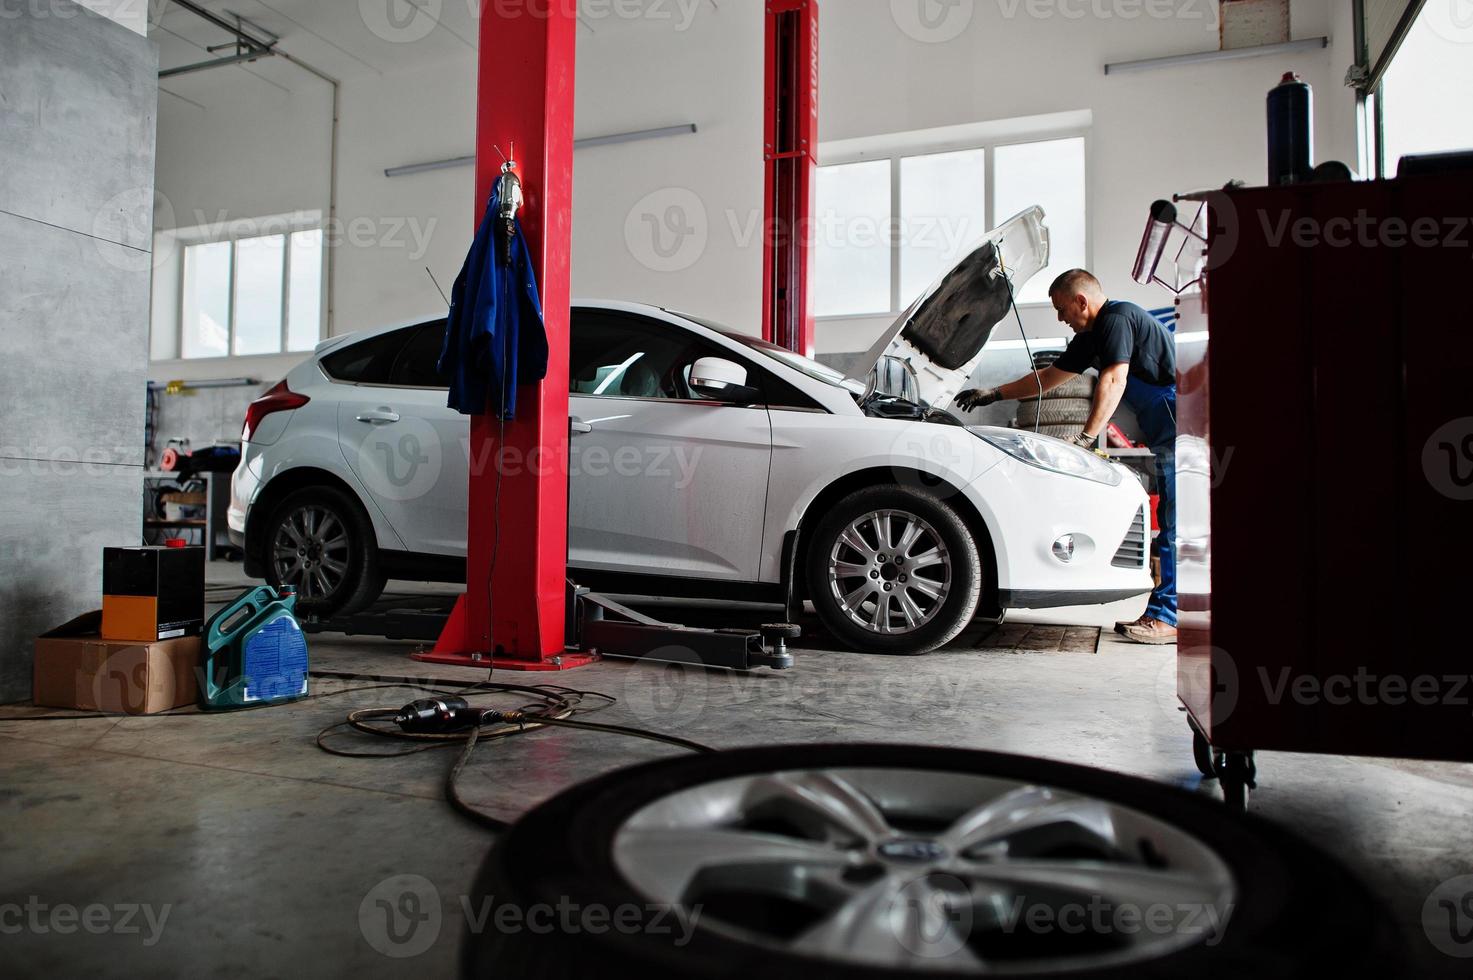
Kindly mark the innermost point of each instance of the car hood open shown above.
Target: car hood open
(942, 333)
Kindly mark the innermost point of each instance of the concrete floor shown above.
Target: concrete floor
(250, 853)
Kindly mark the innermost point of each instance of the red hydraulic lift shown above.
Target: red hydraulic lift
(519, 611)
(512, 615)
(790, 150)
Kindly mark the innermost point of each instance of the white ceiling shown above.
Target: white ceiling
(341, 38)
(332, 35)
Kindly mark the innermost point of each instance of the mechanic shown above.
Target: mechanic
(1136, 358)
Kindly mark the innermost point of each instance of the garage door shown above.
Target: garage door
(1386, 22)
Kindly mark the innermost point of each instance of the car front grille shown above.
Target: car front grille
(1132, 551)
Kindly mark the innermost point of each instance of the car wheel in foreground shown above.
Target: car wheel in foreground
(892, 569)
(887, 861)
(320, 542)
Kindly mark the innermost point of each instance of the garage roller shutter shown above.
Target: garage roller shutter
(1386, 22)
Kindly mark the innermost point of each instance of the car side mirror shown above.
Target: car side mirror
(722, 380)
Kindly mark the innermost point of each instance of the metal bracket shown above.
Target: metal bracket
(247, 46)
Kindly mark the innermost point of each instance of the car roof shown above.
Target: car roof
(623, 306)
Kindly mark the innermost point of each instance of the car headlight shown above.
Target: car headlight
(1052, 454)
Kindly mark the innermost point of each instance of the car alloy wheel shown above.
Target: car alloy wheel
(310, 552)
(889, 571)
(886, 861)
(892, 569)
(319, 541)
(922, 869)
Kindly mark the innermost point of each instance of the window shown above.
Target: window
(368, 362)
(1051, 175)
(206, 302)
(888, 228)
(1418, 111)
(943, 199)
(616, 356)
(852, 265)
(257, 295)
(418, 363)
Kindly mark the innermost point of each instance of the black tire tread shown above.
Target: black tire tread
(1055, 411)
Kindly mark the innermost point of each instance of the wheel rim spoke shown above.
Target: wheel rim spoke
(1118, 885)
(325, 528)
(879, 619)
(1033, 808)
(897, 921)
(927, 588)
(852, 538)
(881, 522)
(908, 608)
(855, 599)
(928, 559)
(908, 537)
(293, 533)
(825, 795)
(679, 855)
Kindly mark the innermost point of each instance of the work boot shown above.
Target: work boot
(1150, 630)
(1120, 626)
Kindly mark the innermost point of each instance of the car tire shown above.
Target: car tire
(1065, 432)
(1055, 411)
(1079, 386)
(928, 595)
(339, 570)
(641, 873)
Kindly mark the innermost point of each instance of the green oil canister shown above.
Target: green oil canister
(254, 652)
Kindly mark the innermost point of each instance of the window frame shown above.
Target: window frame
(904, 150)
(270, 227)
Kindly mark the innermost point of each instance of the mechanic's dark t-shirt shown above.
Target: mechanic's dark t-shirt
(1124, 333)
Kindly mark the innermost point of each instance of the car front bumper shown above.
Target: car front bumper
(1030, 509)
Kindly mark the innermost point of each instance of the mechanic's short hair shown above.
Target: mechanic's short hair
(1074, 282)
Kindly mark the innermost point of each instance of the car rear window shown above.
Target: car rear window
(418, 363)
(368, 362)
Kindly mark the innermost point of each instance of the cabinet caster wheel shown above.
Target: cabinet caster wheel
(1205, 756)
(1238, 777)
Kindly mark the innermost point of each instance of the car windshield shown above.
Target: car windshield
(813, 369)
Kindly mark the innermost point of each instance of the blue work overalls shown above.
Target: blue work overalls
(1155, 410)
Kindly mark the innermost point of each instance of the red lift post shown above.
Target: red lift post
(790, 150)
(512, 615)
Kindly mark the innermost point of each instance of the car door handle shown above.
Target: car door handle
(381, 416)
(579, 427)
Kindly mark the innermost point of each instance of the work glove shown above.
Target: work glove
(1085, 441)
(976, 398)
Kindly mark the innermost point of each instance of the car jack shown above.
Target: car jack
(599, 626)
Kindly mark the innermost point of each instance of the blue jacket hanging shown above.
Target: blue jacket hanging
(494, 339)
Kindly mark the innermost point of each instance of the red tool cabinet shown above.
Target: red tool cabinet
(1325, 459)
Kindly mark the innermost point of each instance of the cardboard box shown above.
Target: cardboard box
(77, 668)
(152, 593)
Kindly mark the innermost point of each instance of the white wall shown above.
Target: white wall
(1153, 133)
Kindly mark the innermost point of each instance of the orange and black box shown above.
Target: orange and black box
(151, 594)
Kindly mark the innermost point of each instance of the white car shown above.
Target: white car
(707, 463)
